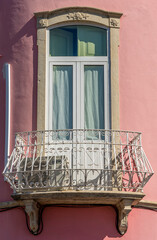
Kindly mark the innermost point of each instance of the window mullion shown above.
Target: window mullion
(78, 95)
(106, 98)
(81, 95)
(75, 95)
(50, 98)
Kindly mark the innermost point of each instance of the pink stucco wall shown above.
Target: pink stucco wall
(138, 98)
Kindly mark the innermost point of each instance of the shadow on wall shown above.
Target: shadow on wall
(64, 223)
(80, 223)
(27, 31)
(19, 48)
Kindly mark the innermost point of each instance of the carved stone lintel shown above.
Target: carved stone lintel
(77, 16)
(32, 210)
(123, 207)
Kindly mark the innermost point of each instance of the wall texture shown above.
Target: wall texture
(138, 98)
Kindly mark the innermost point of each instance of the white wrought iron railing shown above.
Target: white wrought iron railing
(78, 160)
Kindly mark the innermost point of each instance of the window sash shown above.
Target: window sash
(78, 91)
(106, 92)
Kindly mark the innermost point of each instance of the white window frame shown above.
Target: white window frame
(78, 82)
(78, 87)
(49, 114)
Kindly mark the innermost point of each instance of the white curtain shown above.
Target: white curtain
(62, 97)
(94, 97)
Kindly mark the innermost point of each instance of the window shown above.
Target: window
(76, 88)
(70, 48)
(78, 94)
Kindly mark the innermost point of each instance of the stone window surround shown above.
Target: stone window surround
(78, 15)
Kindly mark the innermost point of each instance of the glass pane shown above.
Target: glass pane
(94, 97)
(63, 41)
(78, 41)
(62, 97)
(92, 41)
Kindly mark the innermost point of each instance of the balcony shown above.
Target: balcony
(79, 167)
(96, 160)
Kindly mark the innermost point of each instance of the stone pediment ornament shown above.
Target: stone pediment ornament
(77, 16)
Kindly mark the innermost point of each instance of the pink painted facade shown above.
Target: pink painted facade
(138, 98)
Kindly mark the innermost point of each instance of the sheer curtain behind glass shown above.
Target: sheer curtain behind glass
(94, 97)
(62, 97)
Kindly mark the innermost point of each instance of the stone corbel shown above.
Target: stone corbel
(43, 23)
(32, 210)
(123, 208)
(114, 23)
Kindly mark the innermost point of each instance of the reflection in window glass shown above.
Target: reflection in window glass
(78, 41)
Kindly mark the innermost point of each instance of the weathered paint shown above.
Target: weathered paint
(138, 97)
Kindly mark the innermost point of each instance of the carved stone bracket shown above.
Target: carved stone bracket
(32, 210)
(43, 22)
(123, 207)
(113, 22)
(122, 201)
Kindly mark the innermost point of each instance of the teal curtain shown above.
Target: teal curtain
(62, 97)
(94, 97)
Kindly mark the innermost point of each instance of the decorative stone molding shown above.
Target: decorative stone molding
(65, 15)
(77, 16)
(113, 22)
(43, 22)
(32, 210)
(147, 204)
